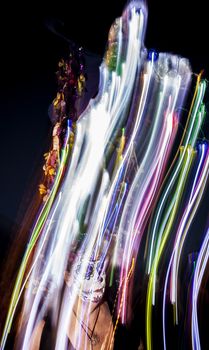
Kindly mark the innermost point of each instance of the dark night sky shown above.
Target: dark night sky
(29, 55)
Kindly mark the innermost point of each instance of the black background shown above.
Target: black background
(29, 52)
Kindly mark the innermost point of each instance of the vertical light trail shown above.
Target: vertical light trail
(187, 218)
(197, 280)
(187, 162)
(34, 237)
(195, 120)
